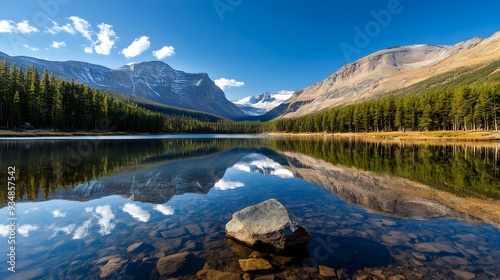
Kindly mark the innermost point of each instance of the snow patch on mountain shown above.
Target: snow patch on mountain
(257, 105)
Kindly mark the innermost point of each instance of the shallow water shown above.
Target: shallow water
(85, 202)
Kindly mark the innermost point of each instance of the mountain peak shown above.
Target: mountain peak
(388, 70)
(153, 80)
(257, 105)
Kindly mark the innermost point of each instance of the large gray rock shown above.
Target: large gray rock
(267, 225)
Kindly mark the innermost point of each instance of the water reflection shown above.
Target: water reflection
(138, 207)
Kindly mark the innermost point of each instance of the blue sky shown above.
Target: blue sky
(250, 46)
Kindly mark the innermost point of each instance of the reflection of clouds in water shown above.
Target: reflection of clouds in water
(105, 220)
(89, 209)
(24, 230)
(67, 229)
(4, 230)
(165, 210)
(58, 214)
(257, 163)
(83, 230)
(136, 212)
(227, 185)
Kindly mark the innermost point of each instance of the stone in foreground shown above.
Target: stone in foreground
(267, 225)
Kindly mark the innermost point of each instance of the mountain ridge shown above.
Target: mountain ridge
(387, 71)
(257, 105)
(157, 82)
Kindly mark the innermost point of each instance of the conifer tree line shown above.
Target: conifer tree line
(54, 103)
(48, 102)
(463, 107)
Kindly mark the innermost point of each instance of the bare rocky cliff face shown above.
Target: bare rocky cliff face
(387, 70)
(154, 80)
(394, 197)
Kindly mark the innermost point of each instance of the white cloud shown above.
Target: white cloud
(58, 214)
(105, 220)
(30, 48)
(138, 46)
(82, 26)
(26, 28)
(57, 45)
(67, 229)
(136, 212)
(83, 230)
(166, 51)
(106, 38)
(165, 210)
(223, 83)
(56, 28)
(224, 185)
(24, 230)
(9, 26)
(4, 230)
(89, 209)
(88, 50)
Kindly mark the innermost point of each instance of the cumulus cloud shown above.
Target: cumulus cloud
(136, 212)
(224, 83)
(24, 27)
(105, 221)
(26, 46)
(58, 214)
(67, 229)
(56, 28)
(4, 230)
(83, 230)
(24, 230)
(165, 210)
(57, 45)
(166, 51)
(82, 26)
(224, 185)
(88, 50)
(138, 46)
(106, 38)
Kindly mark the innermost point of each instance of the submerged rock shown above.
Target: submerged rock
(267, 225)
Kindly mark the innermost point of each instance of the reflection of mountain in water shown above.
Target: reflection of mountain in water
(158, 184)
(390, 196)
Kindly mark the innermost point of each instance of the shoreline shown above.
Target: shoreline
(413, 136)
(418, 136)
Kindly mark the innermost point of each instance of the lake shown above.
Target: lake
(107, 207)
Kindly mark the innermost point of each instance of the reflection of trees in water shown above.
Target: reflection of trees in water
(461, 169)
(46, 166)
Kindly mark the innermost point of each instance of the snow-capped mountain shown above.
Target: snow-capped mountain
(257, 105)
(154, 80)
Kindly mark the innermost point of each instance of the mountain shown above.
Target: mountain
(258, 105)
(154, 80)
(389, 70)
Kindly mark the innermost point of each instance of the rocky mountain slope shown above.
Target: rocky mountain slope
(257, 105)
(153, 80)
(388, 70)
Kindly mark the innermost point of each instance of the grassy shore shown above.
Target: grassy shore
(394, 135)
(411, 136)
